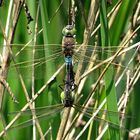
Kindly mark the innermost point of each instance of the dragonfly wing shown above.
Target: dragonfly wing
(40, 117)
(102, 119)
(91, 110)
(92, 53)
(25, 62)
(38, 110)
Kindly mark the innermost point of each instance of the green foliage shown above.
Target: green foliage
(104, 79)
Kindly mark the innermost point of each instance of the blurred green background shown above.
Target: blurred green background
(118, 22)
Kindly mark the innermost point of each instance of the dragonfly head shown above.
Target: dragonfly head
(69, 30)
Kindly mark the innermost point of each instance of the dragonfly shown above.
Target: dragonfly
(68, 43)
(24, 61)
(67, 96)
(69, 84)
(69, 51)
(47, 112)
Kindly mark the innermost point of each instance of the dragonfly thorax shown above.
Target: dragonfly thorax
(68, 44)
(68, 103)
(68, 99)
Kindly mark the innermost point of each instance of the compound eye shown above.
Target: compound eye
(69, 31)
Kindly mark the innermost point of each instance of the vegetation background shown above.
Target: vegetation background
(99, 23)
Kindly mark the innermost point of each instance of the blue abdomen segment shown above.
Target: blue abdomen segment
(68, 60)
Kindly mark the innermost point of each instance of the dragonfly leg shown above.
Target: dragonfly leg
(72, 85)
(60, 86)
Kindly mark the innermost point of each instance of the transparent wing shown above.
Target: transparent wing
(44, 54)
(38, 110)
(46, 112)
(102, 118)
(42, 113)
(90, 110)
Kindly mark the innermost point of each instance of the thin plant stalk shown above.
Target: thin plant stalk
(4, 49)
(32, 100)
(33, 74)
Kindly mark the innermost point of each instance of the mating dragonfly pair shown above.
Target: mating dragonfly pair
(70, 52)
(90, 55)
